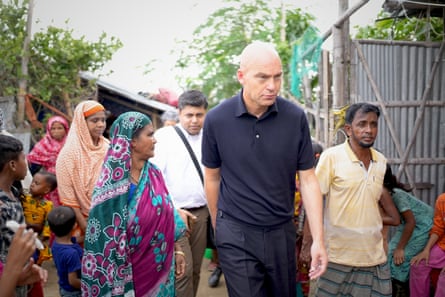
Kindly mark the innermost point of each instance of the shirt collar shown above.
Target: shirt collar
(187, 135)
(241, 107)
(353, 157)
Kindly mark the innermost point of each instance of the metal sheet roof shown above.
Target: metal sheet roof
(404, 8)
(127, 94)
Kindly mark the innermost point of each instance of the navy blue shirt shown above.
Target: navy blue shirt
(258, 158)
(67, 258)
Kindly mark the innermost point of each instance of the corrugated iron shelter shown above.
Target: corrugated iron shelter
(407, 81)
(118, 100)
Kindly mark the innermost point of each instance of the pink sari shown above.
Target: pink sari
(45, 153)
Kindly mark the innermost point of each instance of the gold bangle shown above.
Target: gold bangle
(180, 253)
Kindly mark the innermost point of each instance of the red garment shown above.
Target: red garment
(45, 151)
(36, 290)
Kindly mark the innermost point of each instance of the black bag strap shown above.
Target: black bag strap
(192, 154)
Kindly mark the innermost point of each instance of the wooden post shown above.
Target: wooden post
(326, 94)
(340, 80)
(338, 59)
(283, 39)
(23, 81)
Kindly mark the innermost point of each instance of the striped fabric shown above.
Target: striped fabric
(342, 280)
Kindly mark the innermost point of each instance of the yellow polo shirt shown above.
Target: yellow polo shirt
(352, 220)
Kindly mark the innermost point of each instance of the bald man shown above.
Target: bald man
(253, 144)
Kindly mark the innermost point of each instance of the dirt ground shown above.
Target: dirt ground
(51, 288)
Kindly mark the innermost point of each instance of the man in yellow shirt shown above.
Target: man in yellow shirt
(351, 177)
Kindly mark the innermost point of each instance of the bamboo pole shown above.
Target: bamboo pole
(23, 81)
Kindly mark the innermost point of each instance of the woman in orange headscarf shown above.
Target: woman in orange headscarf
(80, 160)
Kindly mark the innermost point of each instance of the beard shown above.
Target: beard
(365, 145)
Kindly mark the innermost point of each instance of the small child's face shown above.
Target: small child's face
(39, 186)
(57, 131)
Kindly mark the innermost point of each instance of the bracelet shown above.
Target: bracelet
(180, 253)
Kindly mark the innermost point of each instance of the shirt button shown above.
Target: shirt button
(257, 136)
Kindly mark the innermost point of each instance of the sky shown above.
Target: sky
(149, 30)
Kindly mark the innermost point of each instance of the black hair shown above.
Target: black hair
(390, 181)
(192, 98)
(317, 149)
(363, 107)
(50, 178)
(61, 220)
(10, 149)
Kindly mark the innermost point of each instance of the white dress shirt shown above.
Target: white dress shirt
(179, 171)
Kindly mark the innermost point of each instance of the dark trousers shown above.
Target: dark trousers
(256, 261)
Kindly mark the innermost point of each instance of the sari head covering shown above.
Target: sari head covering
(45, 151)
(129, 242)
(79, 162)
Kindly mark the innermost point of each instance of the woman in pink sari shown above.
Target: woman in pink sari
(44, 153)
(130, 247)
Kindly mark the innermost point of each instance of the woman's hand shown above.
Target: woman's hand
(423, 255)
(179, 264)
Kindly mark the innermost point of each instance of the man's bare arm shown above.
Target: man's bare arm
(313, 203)
(212, 179)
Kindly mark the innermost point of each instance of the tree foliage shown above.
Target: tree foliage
(12, 35)
(410, 29)
(217, 43)
(56, 57)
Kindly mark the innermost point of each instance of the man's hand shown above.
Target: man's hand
(319, 262)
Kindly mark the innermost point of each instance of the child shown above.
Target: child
(67, 254)
(410, 236)
(431, 257)
(36, 209)
(13, 167)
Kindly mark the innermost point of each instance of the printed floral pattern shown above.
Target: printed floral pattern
(129, 240)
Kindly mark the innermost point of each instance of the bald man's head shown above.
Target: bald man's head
(260, 74)
(255, 52)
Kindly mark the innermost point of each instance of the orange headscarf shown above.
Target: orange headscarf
(80, 160)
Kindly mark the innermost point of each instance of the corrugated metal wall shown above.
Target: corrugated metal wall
(402, 72)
